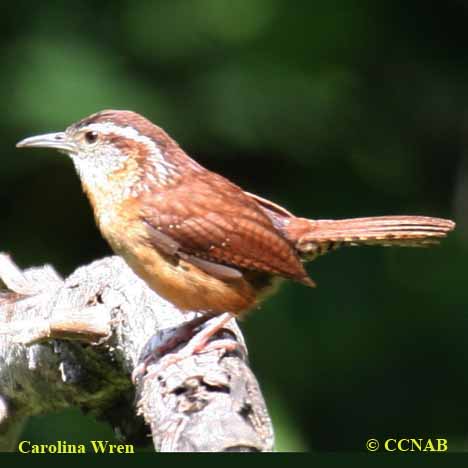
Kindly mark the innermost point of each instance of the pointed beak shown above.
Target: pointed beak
(60, 141)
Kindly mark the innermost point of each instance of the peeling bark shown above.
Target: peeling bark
(75, 342)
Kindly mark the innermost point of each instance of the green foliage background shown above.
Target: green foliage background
(331, 108)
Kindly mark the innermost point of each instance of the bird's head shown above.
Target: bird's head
(118, 151)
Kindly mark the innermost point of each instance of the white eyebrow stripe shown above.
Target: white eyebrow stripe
(162, 166)
(110, 127)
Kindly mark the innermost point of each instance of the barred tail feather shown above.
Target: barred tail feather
(402, 231)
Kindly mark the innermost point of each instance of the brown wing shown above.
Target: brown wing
(216, 221)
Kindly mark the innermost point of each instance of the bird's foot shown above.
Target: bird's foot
(163, 354)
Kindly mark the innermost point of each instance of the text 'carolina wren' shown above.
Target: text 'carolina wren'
(193, 236)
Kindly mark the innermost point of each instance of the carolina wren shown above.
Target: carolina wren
(193, 236)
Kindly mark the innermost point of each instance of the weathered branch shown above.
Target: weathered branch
(76, 342)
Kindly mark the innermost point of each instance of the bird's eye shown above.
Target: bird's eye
(91, 137)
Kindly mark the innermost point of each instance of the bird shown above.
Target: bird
(196, 238)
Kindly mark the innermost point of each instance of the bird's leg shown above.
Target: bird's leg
(181, 335)
(158, 345)
(198, 342)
